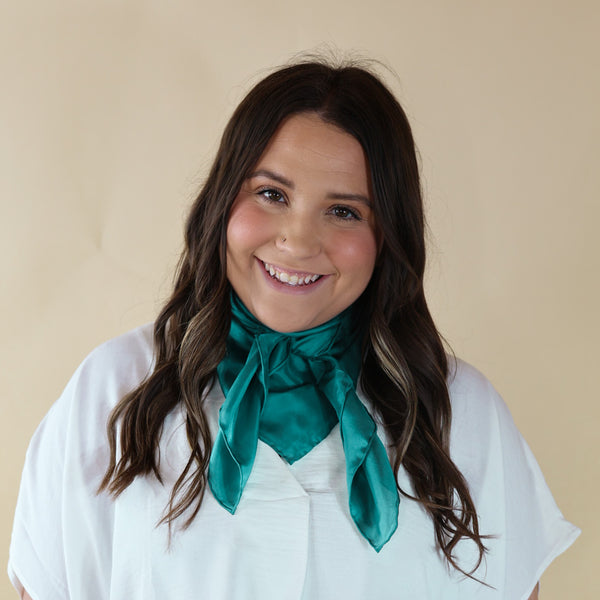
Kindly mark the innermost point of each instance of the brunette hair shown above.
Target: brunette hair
(404, 370)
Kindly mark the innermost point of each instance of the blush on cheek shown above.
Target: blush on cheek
(238, 233)
(361, 251)
(246, 222)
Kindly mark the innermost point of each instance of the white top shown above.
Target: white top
(292, 537)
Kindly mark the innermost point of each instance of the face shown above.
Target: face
(301, 240)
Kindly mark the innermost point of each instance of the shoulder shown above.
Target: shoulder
(115, 367)
(127, 357)
(482, 427)
(108, 373)
(65, 462)
(71, 440)
(472, 395)
(464, 379)
(484, 438)
(514, 505)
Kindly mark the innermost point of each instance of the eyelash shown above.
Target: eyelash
(264, 192)
(352, 214)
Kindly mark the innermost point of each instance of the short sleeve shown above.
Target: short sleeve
(61, 544)
(36, 560)
(536, 530)
(514, 504)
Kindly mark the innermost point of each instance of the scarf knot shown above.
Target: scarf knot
(289, 390)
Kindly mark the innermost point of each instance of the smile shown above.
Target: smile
(288, 277)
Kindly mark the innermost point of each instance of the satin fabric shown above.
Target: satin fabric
(289, 390)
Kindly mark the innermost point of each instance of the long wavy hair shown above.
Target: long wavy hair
(404, 369)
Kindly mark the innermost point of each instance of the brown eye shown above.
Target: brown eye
(271, 195)
(345, 213)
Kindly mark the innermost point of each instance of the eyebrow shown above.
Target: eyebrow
(272, 175)
(333, 195)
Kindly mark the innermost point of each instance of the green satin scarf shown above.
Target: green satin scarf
(289, 390)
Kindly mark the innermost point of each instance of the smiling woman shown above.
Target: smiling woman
(301, 237)
(291, 425)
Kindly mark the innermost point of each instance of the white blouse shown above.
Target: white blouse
(292, 537)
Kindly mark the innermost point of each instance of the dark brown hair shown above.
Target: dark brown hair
(405, 367)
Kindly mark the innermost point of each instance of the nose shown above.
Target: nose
(300, 238)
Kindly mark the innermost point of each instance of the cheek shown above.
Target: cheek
(356, 257)
(245, 229)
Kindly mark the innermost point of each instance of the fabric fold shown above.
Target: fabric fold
(372, 490)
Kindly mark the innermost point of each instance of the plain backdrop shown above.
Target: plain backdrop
(110, 113)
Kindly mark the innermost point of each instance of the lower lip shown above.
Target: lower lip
(290, 289)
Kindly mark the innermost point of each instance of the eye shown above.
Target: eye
(271, 195)
(345, 213)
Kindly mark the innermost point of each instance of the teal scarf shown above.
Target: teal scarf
(289, 390)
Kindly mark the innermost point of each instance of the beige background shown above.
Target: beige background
(110, 113)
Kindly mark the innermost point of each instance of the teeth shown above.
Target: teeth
(290, 279)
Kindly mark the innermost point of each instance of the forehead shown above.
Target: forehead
(305, 144)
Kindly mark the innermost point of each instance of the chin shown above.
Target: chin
(286, 323)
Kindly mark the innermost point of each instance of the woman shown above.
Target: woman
(292, 427)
